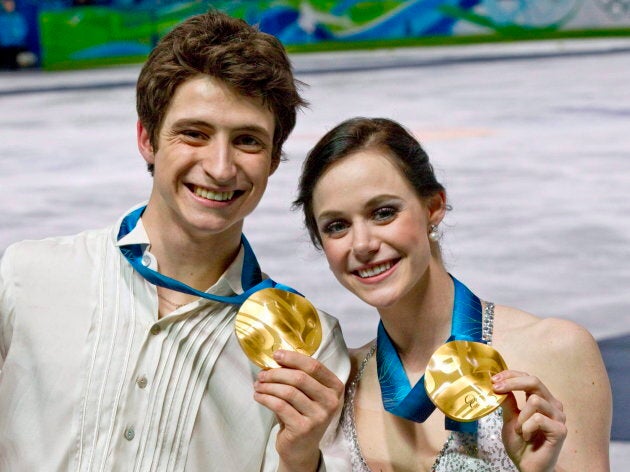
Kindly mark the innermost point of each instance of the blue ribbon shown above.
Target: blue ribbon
(413, 403)
(251, 276)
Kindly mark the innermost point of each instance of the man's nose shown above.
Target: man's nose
(218, 161)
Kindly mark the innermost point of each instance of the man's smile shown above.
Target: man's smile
(213, 195)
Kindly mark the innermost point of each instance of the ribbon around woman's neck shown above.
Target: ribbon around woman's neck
(399, 398)
(251, 275)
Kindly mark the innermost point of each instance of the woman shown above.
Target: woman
(372, 203)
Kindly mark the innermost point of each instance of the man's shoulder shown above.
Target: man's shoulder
(60, 248)
(60, 241)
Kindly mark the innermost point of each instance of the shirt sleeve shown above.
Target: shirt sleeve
(7, 304)
(334, 354)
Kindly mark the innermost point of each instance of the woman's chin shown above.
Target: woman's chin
(378, 300)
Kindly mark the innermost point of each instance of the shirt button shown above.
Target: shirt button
(129, 433)
(146, 260)
(142, 381)
(155, 329)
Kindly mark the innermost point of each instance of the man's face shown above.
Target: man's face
(213, 158)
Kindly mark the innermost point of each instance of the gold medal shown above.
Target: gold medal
(272, 319)
(458, 379)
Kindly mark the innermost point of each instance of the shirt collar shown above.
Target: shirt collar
(230, 281)
(138, 235)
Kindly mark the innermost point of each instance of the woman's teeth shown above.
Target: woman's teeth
(372, 271)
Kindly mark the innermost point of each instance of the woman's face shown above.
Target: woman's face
(373, 227)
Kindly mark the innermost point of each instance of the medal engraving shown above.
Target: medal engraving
(272, 319)
(458, 379)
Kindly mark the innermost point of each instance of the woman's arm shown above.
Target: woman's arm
(562, 375)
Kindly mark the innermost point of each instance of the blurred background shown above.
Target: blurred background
(523, 106)
(61, 34)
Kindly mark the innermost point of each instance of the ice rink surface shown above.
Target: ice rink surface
(531, 140)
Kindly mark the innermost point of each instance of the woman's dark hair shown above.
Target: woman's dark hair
(358, 134)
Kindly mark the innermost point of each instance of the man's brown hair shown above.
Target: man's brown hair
(253, 63)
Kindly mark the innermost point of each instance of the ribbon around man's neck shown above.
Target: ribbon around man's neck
(251, 275)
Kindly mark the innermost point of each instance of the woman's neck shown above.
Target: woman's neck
(421, 322)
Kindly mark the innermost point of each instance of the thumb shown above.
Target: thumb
(510, 408)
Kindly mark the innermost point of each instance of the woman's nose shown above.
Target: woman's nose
(364, 241)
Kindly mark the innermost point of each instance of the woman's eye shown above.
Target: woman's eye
(334, 228)
(384, 214)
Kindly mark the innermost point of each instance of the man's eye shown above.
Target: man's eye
(384, 214)
(193, 134)
(249, 143)
(334, 227)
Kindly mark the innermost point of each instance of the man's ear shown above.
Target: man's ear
(436, 205)
(275, 162)
(144, 143)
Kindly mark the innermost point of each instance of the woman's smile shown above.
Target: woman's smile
(376, 272)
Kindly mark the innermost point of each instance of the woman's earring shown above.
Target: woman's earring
(433, 233)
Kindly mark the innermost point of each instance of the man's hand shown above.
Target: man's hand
(305, 396)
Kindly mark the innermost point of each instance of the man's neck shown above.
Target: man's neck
(193, 260)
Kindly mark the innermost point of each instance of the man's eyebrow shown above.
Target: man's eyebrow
(254, 129)
(202, 123)
(190, 122)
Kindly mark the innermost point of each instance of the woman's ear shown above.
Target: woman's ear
(144, 143)
(436, 204)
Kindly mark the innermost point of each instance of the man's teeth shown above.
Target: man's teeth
(372, 271)
(210, 195)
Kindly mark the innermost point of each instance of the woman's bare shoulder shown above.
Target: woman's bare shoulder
(550, 348)
(566, 358)
(514, 327)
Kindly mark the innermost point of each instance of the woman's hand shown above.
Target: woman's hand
(305, 396)
(533, 436)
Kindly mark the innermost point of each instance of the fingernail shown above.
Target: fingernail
(278, 355)
(261, 375)
(496, 377)
(498, 385)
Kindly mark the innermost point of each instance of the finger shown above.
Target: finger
(285, 413)
(537, 404)
(312, 367)
(296, 411)
(328, 397)
(285, 399)
(510, 408)
(510, 381)
(539, 424)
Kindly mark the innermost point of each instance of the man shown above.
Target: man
(110, 359)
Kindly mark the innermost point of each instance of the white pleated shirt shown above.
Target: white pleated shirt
(92, 380)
